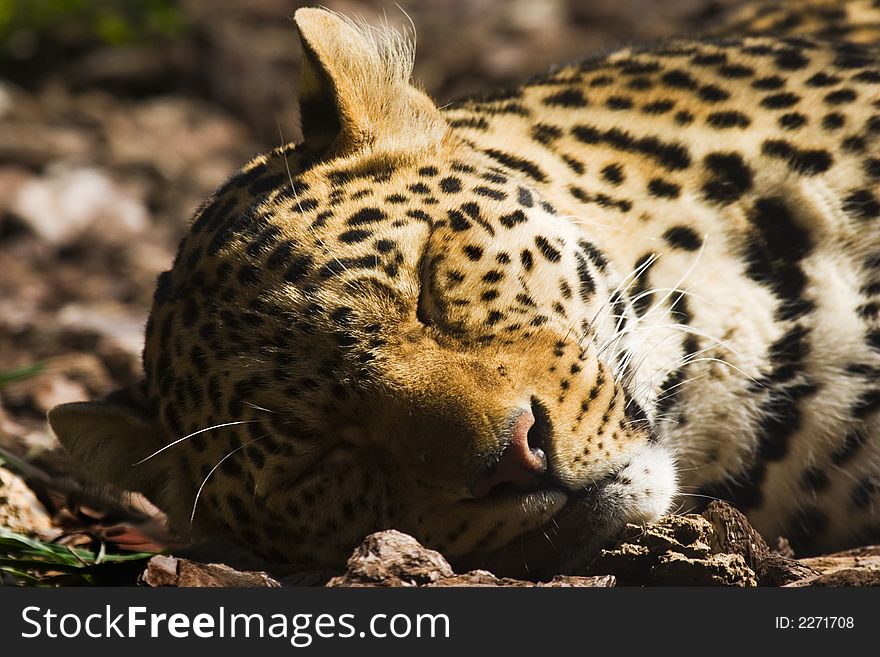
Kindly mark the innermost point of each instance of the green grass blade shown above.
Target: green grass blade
(24, 549)
(32, 562)
(20, 373)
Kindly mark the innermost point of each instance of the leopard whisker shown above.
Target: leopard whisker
(260, 408)
(256, 479)
(687, 360)
(679, 362)
(702, 496)
(208, 476)
(669, 390)
(669, 292)
(683, 292)
(188, 436)
(684, 276)
(632, 277)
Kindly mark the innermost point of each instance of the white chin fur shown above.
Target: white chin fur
(646, 487)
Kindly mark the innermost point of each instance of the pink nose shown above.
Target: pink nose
(519, 463)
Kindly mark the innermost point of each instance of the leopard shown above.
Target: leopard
(513, 325)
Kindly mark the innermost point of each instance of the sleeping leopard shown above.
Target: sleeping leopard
(513, 325)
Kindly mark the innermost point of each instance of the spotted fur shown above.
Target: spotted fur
(667, 257)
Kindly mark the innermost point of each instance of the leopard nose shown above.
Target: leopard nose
(522, 460)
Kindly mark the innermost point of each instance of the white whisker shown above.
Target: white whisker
(683, 278)
(194, 433)
(260, 408)
(629, 280)
(219, 463)
(669, 390)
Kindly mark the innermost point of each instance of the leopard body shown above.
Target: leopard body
(655, 274)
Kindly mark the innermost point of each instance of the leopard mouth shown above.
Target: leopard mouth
(541, 488)
(576, 524)
(563, 516)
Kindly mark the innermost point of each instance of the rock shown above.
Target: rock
(68, 201)
(844, 577)
(570, 581)
(71, 377)
(719, 548)
(207, 142)
(687, 534)
(783, 548)
(170, 571)
(674, 569)
(777, 570)
(50, 391)
(161, 571)
(191, 574)
(20, 510)
(115, 333)
(36, 145)
(858, 567)
(391, 558)
(7, 100)
(669, 543)
(479, 578)
(12, 178)
(856, 556)
(734, 535)
(483, 578)
(673, 552)
(629, 562)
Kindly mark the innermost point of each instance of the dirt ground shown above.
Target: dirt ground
(106, 151)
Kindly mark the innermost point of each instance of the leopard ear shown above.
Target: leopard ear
(112, 439)
(355, 89)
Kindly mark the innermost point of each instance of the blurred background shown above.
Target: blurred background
(117, 117)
